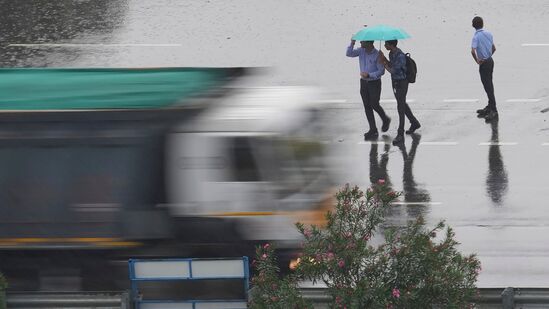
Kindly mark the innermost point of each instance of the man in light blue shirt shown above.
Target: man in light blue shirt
(371, 71)
(482, 49)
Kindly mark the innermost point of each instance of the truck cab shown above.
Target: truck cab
(255, 159)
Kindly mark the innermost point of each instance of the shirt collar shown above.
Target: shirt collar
(479, 30)
(373, 51)
(395, 51)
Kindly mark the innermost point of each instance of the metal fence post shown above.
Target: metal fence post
(508, 298)
(125, 300)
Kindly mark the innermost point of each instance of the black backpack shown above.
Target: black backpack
(411, 69)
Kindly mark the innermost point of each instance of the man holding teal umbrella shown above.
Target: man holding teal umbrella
(371, 71)
(397, 67)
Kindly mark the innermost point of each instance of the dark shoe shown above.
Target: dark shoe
(413, 128)
(483, 112)
(399, 139)
(371, 135)
(491, 116)
(386, 123)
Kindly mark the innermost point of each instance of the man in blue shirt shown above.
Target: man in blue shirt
(482, 49)
(370, 85)
(396, 65)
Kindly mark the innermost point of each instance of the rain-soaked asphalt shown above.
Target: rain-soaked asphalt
(489, 181)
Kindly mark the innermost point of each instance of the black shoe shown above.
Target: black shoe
(483, 112)
(413, 128)
(491, 116)
(399, 139)
(371, 135)
(386, 123)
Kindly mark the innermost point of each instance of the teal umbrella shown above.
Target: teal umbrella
(380, 33)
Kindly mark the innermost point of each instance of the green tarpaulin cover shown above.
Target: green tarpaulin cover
(76, 89)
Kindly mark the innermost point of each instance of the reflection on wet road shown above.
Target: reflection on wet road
(413, 193)
(496, 181)
(487, 180)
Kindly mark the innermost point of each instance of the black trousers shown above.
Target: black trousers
(486, 70)
(370, 91)
(400, 89)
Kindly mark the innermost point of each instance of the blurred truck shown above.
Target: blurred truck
(101, 165)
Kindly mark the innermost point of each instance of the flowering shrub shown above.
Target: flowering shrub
(409, 270)
(268, 290)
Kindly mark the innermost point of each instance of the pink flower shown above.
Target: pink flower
(318, 257)
(274, 298)
(396, 293)
(264, 256)
(338, 300)
(341, 263)
(381, 181)
(307, 233)
(392, 194)
(348, 234)
(266, 246)
(330, 256)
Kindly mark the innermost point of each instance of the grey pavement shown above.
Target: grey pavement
(489, 182)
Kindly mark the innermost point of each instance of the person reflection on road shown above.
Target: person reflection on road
(378, 166)
(412, 193)
(497, 180)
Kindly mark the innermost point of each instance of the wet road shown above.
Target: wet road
(489, 181)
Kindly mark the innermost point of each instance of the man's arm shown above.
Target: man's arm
(493, 49)
(474, 45)
(384, 62)
(474, 53)
(352, 52)
(378, 72)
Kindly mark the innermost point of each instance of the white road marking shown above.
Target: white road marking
(522, 100)
(459, 100)
(431, 143)
(416, 203)
(92, 45)
(394, 100)
(498, 144)
(438, 143)
(333, 101)
(534, 44)
(373, 142)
